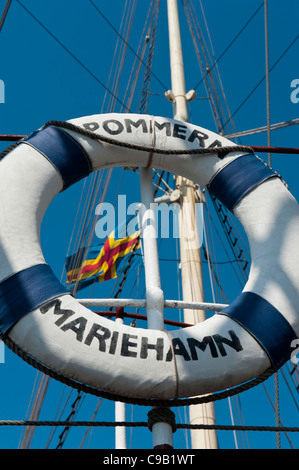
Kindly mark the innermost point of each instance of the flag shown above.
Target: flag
(100, 263)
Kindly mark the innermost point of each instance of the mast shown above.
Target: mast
(120, 407)
(191, 268)
(162, 431)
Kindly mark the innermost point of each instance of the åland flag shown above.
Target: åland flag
(100, 263)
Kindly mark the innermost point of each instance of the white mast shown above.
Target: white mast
(120, 415)
(192, 285)
(162, 431)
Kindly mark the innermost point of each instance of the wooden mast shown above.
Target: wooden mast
(191, 268)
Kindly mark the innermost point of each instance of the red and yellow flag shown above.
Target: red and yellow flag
(101, 263)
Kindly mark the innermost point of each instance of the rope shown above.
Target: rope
(112, 103)
(217, 71)
(262, 79)
(136, 401)
(267, 80)
(128, 424)
(148, 71)
(112, 396)
(151, 153)
(126, 25)
(232, 237)
(161, 415)
(134, 75)
(10, 148)
(74, 410)
(143, 148)
(231, 43)
(4, 14)
(211, 96)
(277, 408)
(70, 53)
(108, 395)
(258, 130)
(124, 40)
(176, 375)
(255, 148)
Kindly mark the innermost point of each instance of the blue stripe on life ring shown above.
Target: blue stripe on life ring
(238, 178)
(265, 323)
(67, 156)
(25, 291)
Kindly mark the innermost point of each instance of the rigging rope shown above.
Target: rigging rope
(203, 68)
(61, 413)
(143, 106)
(232, 42)
(146, 402)
(263, 78)
(69, 52)
(123, 39)
(279, 423)
(92, 420)
(277, 408)
(93, 191)
(138, 60)
(232, 238)
(100, 137)
(215, 62)
(74, 411)
(267, 80)
(4, 14)
(139, 424)
(201, 427)
(258, 130)
(111, 107)
(234, 401)
(234, 243)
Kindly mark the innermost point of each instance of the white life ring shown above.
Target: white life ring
(49, 325)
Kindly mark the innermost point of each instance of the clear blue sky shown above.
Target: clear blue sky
(55, 58)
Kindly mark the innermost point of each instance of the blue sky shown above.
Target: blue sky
(55, 58)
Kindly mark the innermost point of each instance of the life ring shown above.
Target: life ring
(49, 325)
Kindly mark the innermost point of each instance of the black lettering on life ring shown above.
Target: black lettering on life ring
(200, 136)
(108, 340)
(56, 303)
(91, 126)
(141, 122)
(119, 127)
